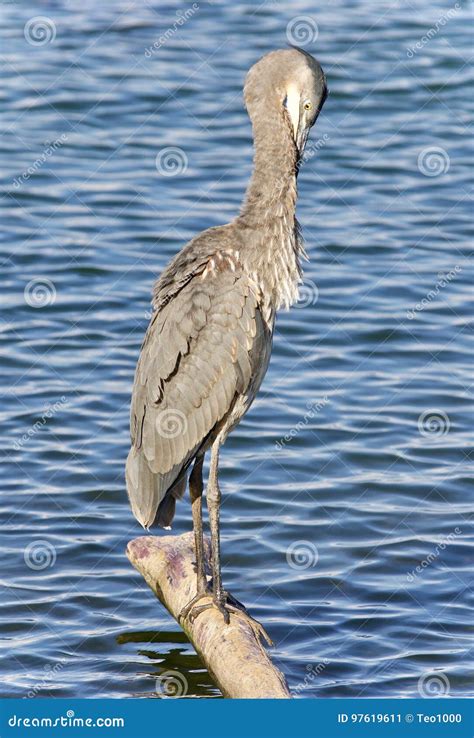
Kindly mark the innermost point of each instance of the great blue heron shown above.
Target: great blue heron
(209, 341)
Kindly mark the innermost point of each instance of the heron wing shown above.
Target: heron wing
(198, 355)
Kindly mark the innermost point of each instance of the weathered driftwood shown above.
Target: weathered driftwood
(232, 653)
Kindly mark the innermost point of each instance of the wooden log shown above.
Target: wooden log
(233, 653)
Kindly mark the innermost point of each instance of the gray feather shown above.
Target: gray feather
(208, 344)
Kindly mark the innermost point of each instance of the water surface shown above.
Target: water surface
(345, 520)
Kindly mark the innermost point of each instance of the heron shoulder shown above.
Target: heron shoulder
(192, 258)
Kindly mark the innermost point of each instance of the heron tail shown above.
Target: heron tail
(152, 496)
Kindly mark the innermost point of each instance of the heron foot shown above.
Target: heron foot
(201, 592)
(227, 605)
(258, 629)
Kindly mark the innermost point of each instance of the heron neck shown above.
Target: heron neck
(271, 193)
(267, 223)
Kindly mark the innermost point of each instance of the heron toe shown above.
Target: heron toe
(226, 605)
(187, 609)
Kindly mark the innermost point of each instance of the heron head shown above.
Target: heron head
(291, 82)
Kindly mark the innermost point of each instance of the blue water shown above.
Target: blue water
(345, 520)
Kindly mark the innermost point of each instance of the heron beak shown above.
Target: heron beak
(301, 138)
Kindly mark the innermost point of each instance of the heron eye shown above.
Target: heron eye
(308, 105)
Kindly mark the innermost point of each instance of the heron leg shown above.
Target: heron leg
(222, 600)
(213, 504)
(219, 596)
(195, 491)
